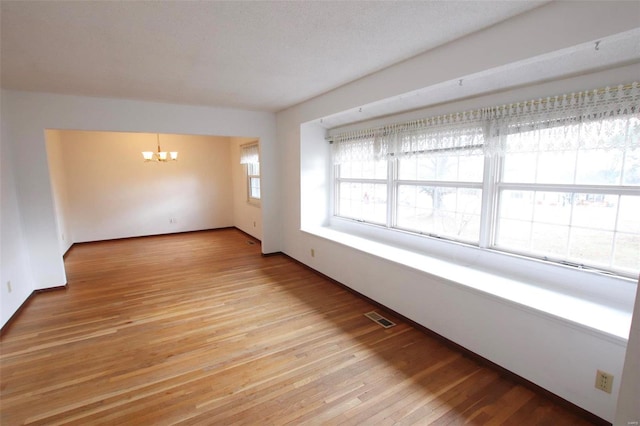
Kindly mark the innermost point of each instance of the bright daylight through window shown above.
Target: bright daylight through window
(555, 179)
(250, 157)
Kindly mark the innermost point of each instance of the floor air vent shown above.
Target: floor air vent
(376, 317)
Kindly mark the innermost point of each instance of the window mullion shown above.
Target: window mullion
(443, 183)
(489, 201)
(361, 180)
(392, 192)
(335, 191)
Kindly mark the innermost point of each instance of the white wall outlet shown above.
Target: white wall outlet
(604, 381)
(9, 289)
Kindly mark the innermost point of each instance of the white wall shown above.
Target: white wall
(551, 353)
(29, 114)
(113, 193)
(15, 267)
(246, 216)
(628, 402)
(59, 192)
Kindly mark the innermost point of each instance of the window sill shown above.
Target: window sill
(608, 321)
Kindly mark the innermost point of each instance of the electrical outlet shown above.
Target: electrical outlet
(254, 223)
(604, 381)
(313, 253)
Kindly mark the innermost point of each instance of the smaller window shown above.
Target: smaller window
(253, 181)
(250, 157)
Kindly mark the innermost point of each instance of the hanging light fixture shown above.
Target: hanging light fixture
(162, 156)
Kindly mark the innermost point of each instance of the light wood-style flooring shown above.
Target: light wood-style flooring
(199, 328)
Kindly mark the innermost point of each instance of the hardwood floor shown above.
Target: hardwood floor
(199, 328)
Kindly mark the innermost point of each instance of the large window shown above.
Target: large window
(573, 193)
(557, 180)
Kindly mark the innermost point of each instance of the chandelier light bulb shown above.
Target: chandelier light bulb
(162, 156)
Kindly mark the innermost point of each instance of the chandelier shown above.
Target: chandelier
(162, 156)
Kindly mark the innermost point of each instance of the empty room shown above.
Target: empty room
(320, 212)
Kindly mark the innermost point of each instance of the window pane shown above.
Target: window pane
(254, 187)
(584, 154)
(556, 167)
(627, 251)
(599, 167)
(534, 221)
(552, 208)
(629, 214)
(363, 170)
(591, 246)
(541, 156)
(514, 234)
(544, 167)
(470, 168)
(460, 167)
(579, 227)
(516, 205)
(627, 241)
(363, 201)
(446, 168)
(445, 211)
(596, 211)
(417, 168)
(253, 169)
(549, 240)
(520, 167)
(632, 167)
(515, 217)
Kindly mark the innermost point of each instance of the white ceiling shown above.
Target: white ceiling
(264, 55)
(616, 50)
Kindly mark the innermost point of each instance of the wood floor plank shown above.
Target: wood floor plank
(200, 328)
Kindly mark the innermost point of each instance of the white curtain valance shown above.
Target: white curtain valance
(586, 120)
(250, 154)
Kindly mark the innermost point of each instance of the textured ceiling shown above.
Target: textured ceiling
(252, 55)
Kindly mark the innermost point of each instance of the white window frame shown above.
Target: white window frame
(492, 187)
(251, 175)
(250, 159)
(339, 180)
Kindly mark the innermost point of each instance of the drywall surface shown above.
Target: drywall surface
(246, 216)
(551, 353)
(16, 282)
(113, 193)
(57, 171)
(28, 115)
(628, 410)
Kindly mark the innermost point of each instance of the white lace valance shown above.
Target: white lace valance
(250, 154)
(441, 137)
(587, 120)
